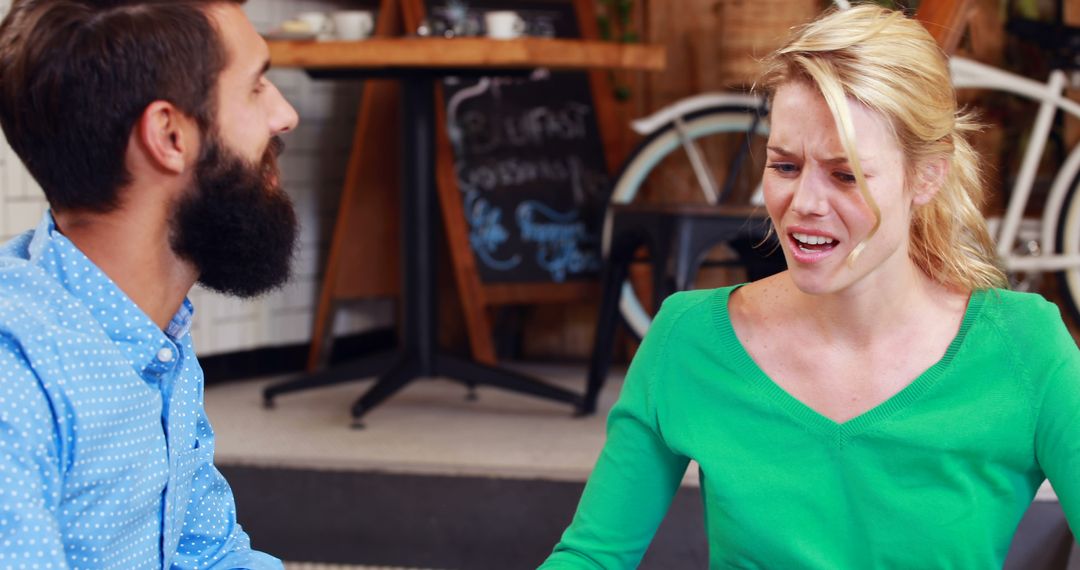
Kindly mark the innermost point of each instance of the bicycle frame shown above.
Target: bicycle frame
(1049, 95)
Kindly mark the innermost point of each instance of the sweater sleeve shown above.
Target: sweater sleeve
(1057, 431)
(636, 476)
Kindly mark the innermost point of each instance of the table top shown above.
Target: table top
(696, 210)
(460, 53)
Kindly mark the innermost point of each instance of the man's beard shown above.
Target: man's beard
(236, 225)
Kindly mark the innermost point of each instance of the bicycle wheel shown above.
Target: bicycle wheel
(691, 160)
(1068, 243)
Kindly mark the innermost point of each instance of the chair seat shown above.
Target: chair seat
(677, 237)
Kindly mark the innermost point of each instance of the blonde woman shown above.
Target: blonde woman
(884, 403)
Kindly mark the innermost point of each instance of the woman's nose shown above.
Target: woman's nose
(811, 198)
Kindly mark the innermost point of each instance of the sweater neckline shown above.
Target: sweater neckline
(810, 417)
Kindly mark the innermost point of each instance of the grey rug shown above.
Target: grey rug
(478, 523)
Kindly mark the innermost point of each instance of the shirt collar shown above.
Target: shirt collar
(124, 322)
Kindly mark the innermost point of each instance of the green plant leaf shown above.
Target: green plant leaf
(1028, 9)
(603, 23)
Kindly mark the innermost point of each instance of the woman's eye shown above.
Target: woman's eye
(783, 167)
(845, 177)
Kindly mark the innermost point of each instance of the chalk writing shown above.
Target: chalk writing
(487, 234)
(530, 166)
(535, 127)
(515, 171)
(559, 237)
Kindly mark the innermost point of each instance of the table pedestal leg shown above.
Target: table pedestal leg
(419, 220)
(418, 356)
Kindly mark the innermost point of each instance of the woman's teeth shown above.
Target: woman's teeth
(808, 242)
(812, 240)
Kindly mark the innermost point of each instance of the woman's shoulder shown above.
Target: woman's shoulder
(1019, 309)
(696, 299)
(1027, 323)
(691, 314)
(760, 300)
(718, 311)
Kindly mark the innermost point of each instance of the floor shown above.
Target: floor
(430, 428)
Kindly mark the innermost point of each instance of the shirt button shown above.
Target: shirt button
(165, 355)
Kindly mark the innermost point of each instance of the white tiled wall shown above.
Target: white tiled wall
(313, 169)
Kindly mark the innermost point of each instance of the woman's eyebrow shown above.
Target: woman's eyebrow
(832, 161)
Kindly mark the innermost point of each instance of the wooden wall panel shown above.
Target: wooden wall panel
(678, 25)
(984, 41)
(1072, 125)
(701, 35)
(1072, 128)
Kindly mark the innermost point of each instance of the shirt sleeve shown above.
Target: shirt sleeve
(1057, 436)
(635, 478)
(29, 468)
(211, 536)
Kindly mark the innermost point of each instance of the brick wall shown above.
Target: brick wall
(312, 167)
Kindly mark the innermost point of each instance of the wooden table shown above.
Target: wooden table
(417, 63)
(438, 55)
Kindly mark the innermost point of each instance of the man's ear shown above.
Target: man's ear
(167, 136)
(929, 178)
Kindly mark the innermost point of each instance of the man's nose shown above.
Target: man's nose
(283, 116)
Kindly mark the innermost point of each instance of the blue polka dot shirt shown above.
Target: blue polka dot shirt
(106, 453)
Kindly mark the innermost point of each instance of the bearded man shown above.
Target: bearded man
(152, 129)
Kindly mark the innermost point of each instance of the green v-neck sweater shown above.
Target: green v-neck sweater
(938, 476)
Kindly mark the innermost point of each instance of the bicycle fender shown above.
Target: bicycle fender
(684, 107)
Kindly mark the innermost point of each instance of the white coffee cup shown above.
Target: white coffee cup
(352, 25)
(504, 24)
(317, 22)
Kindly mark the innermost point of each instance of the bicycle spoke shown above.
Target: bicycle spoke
(701, 170)
(736, 167)
(745, 148)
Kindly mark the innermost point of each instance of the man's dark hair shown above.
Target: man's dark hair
(76, 75)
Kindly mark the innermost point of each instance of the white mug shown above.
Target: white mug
(504, 24)
(316, 22)
(352, 25)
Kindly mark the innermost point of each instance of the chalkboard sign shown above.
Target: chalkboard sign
(529, 163)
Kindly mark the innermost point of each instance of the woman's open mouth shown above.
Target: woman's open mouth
(809, 247)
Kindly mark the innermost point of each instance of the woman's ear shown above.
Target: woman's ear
(930, 176)
(165, 134)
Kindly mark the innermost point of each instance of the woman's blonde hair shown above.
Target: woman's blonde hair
(891, 64)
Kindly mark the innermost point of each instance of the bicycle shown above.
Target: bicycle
(695, 125)
(1049, 243)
